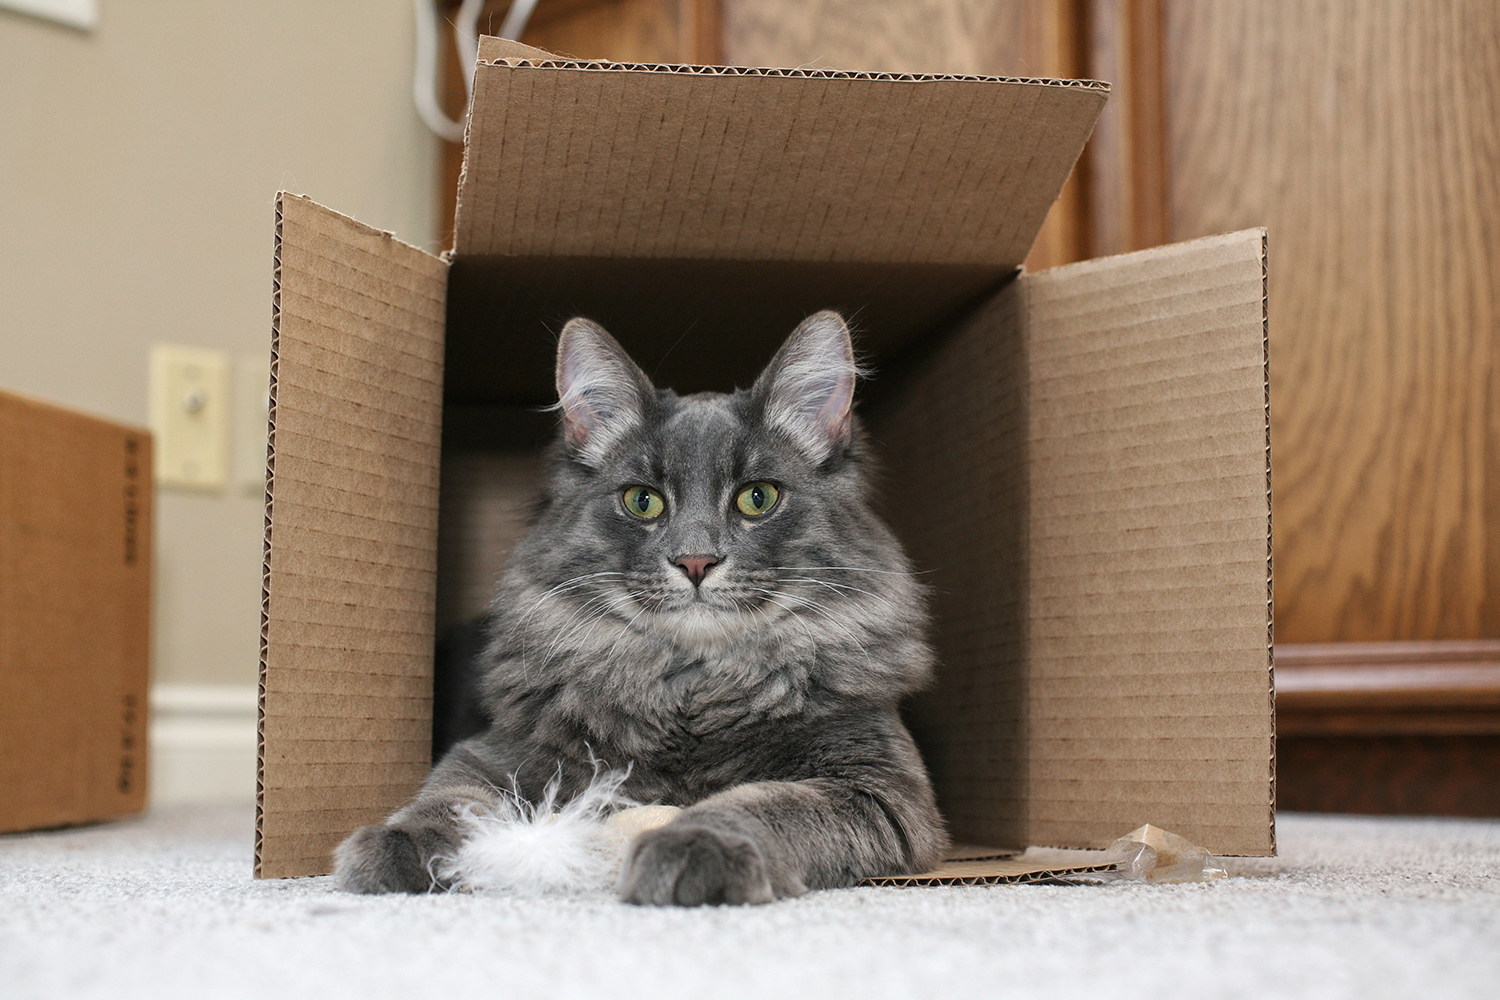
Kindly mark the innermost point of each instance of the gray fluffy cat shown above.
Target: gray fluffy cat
(706, 596)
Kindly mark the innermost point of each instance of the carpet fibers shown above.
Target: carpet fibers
(164, 907)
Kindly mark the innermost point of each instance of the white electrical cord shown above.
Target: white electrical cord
(466, 34)
(514, 24)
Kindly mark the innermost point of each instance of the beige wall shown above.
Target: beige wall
(138, 165)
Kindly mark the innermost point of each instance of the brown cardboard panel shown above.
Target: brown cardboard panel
(1102, 575)
(976, 852)
(593, 159)
(75, 599)
(352, 481)
(487, 499)
(1147, 393)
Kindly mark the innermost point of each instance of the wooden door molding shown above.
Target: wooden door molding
(1388, 688)
(1390, 727)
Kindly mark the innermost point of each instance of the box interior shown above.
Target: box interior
(692, 325)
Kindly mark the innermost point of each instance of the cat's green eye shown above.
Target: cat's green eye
(643, 501)
(756, 498)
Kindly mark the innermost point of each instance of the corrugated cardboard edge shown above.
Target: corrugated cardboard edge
(275, 403)
(972, 864)
(497, 51)
(265, 572)
(993, 872)
(1265, 281)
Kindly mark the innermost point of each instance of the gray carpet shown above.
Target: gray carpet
(164, 907)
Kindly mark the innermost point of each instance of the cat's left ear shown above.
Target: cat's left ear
(807, 390)
(603, 394)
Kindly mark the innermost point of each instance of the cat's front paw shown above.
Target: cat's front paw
(377, 859)
(689, 865)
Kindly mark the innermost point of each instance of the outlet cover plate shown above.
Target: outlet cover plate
(190, 417)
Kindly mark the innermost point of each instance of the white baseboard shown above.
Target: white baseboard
(202, 743)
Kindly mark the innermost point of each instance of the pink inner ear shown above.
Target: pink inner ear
(575, 429)
(578, 417)
(834, 415)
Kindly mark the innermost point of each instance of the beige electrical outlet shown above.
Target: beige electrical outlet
(190, 416)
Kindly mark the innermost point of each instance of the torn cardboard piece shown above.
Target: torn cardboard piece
(998, 871)
(1151, 854)
(1146, 854)
(1092, 440)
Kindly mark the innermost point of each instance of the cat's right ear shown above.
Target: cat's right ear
(601, 392)
(808, 388)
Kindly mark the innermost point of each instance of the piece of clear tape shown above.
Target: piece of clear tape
(1151, 854)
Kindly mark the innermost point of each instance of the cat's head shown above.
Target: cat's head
(707, 516)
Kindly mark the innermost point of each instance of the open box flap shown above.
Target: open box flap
(597, 159)
(352, 478)
(1104, 630)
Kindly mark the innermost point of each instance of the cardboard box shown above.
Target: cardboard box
(75, 601)
(1090, 443)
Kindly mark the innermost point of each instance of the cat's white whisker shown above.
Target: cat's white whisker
(573, 583)
(564, 631)
(619, 601)
(837, 588)
(566, 587)
(606, 601)
(858, 569)
(819, 610)
(791, 614)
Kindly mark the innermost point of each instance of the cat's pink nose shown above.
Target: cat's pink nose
(696, 567)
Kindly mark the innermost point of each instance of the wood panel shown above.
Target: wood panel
(1126, 159)
(1411, 775)
(893, 36)
(985, 37)
(1366, 136)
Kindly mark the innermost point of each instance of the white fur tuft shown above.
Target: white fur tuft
(542, 849)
